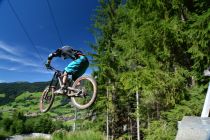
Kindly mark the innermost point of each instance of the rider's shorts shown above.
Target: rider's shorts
(77, 67)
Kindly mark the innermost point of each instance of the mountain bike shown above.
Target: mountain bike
(82, 91)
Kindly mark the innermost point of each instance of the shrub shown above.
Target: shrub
(60, 135)
(44, 124)
(6, 123)
(17, 127)
(80, 135)
(29, 125)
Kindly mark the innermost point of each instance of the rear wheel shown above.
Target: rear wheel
(47, 99)
(87, 95)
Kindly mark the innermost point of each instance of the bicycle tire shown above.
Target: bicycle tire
(46, 91)
(94, 92)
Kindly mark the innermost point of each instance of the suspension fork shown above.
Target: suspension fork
(51, 82)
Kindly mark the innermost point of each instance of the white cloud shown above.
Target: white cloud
(3, 81)
(24, 69)
(18, 54)
(9, 49)
(23, 58)
(8, 68)
(23, 61)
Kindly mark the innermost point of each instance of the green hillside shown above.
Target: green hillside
(20, 114)
(11, 90)
(28, 103)
(60, 116)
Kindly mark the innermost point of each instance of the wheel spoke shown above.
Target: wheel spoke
(88, 87)
(46, 99)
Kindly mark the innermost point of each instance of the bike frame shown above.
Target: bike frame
(57, 76)
(54, 77)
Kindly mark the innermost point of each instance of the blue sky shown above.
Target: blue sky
(19, 60)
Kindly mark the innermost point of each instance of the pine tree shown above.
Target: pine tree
(158, 48)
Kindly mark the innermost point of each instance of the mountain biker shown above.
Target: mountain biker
(76, 68)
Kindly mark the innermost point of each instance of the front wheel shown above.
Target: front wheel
(88, 88)
(47, 99)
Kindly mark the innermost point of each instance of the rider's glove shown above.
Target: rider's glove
(47, 65)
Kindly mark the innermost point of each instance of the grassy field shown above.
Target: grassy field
(28, 103)
(62, 110)
(2, 95)
(79, 135)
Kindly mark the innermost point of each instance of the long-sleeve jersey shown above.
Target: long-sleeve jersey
(66, 52)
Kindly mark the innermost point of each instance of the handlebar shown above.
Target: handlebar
(53, 69)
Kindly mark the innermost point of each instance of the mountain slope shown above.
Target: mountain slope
(9, 91)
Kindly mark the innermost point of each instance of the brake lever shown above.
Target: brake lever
(49, 68)
(53, 69)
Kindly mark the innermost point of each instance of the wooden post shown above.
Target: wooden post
(137, 120)
(75, 119)
(107, 115)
